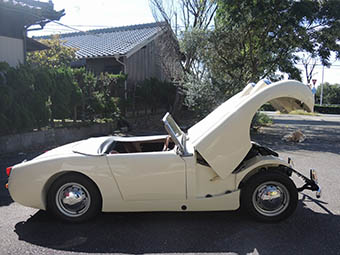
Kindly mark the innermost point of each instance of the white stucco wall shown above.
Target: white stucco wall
(11, 50)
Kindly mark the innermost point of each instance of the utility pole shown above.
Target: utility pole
(321, 94)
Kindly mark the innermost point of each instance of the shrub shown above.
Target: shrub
(328, 109)
(23, 95)
(201, 95)
(154, 94)
(32, 96)
(261, 119)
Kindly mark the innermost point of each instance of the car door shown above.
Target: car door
(149, 175)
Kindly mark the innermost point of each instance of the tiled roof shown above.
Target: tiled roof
(110, 41)
(32, 4)
(37, 11)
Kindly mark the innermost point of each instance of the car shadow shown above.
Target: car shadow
(5, 198)
(306, 232)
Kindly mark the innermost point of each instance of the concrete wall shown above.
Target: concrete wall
(53, 137)
(11, 50)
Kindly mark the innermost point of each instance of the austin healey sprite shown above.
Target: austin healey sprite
(214, 166)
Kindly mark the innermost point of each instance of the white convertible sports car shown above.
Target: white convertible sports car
(214, 166)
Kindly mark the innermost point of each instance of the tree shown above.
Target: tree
(255, 39)
(56, 56)
(196, 17)
(331, 94)
(309, 63)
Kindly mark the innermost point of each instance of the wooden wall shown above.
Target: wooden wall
(144, 64)
(11, 50)
(109, 64)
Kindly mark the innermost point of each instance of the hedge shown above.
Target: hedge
(329, 109)
(31, 97)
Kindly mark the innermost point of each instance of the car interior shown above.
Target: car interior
(144, 146)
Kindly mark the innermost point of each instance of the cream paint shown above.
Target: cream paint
(27, 180)
(149, 176)
(216, 136)
(166, 181)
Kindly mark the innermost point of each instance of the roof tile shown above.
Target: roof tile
(110, 41)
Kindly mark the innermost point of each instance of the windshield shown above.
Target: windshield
(177, 135)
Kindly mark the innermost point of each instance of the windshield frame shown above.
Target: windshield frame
(175, 132)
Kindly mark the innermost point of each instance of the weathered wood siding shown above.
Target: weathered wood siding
(11, 50)
(144, 64)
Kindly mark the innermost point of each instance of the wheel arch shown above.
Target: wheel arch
(270, 167)
(56, 176)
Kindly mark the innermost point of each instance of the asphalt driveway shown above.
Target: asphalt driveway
(313, 229)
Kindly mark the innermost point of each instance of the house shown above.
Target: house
(16, 18)
(137, 50)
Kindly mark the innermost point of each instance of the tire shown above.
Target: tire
(74, 198)
(269, 196)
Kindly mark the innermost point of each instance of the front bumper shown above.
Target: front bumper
(310, 183)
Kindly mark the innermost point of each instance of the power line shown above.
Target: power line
(319, 65)
(105, 26)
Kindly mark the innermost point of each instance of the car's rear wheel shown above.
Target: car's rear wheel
(269, 196)
(74, 198)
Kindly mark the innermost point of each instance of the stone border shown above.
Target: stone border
(52, 137)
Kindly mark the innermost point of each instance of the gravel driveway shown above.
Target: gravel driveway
(313, 229)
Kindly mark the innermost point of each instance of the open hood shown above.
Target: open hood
(223, 137)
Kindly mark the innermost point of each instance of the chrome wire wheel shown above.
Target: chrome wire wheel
(73, 199)
(270, 198)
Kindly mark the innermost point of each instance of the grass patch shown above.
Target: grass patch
(302, 112)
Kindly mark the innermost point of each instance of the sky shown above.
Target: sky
(85, 15)
(93, 14)
(331, 75)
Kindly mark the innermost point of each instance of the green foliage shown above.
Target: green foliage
(328, 109)
(32, 96)
(153, 94)
(254, 39)
(105, 100)
(202, 96)
(62, 89)
(331, 94)
(57, 55)
(192, 44)
(267, 107)
(23, 98)
(261, 119)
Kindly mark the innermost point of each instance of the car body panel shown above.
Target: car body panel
(216, 136)
(259, 162)
(27, 182)
(149, 176)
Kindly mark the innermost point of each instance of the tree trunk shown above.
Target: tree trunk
(179, 100)
(75, 114)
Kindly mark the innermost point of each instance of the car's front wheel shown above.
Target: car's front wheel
(269, 196)
(74, 198)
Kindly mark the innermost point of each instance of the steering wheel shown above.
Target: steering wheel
(166, 143)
